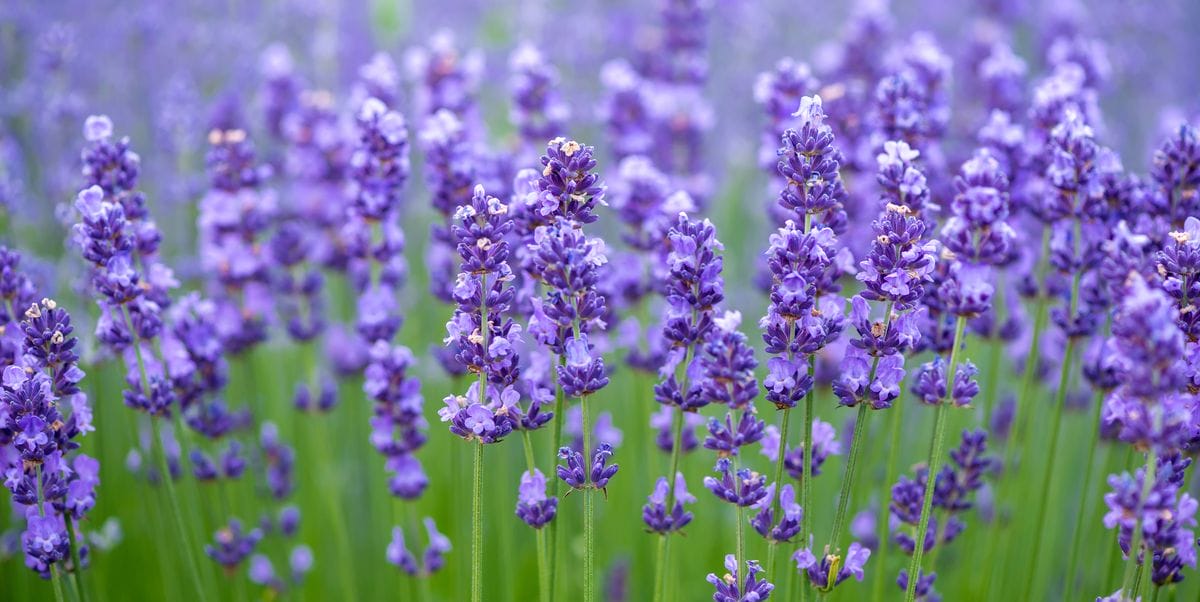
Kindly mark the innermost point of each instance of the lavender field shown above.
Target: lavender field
(644, 300)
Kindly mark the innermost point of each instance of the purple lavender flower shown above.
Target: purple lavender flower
(825, 444)
(397, 425)
(1176, 172)
(978, 231)
(231, 545)
(1179, 265)
(538, 109)
(740, 488)
(279, 461)
(45, 541)
(924, 587)
(693, 288)
(1165, 516)
(661, 422)
(732, 588)
(484, 335)
(799, 321)
(808, 163)
(533, 506)
(929, 383)
(625, 110)
(789, 523)
(821, 573)
(655, 514)
(578, 477)
(779, 91)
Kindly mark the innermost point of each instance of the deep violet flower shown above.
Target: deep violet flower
(731, 587)
(821, 572)
(656, 515)
(533, 506)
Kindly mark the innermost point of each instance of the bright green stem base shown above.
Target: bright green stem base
(935, 461)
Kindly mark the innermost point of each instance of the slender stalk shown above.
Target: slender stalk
(660, 561)
(881, 526)
(328, 477)
(806, 475)
(1056, 424)
(477, 525)
(676, 443)
(1135, 543)
(664, 545)
(935, 460)
(168, 482)
(1044, 491)
(556, 440)
(54, 578)
(739, 547)
(860, 430)
(589, 501)
(543, 575)
(1077, 536)
(772, 545)
(76, 577)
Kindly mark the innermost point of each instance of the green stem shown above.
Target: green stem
(589, 536)
(555, 442)
(165, 469)
(884, 495)
(739, 546)
(664, 550)
(543, 575)
(333, 499)
(660, 561)
(1135, 543)
(860, 430)
(54, 578)
(477, 525)
(935, 460)
(1044, 491)
(76, 577)
(169, 483)
(772, 545)
(1077, 536)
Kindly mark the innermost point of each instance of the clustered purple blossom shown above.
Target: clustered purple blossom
(43, 414)
(663, 520)
(480, 327)
(234, 217)
(825, 444)
(731, 587)
(953, 490)
(433, 558)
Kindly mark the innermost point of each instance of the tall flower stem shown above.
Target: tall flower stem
(589, 501)
(477, 525)
(740, 528)
(328, 478)
(884, 495)
(1055, 427)
(935, 461)
(664, 544)
(1135, 542)
(57, 582)
(1077, 537)
(1064, 381)
(165, 469)
(860, 430)
(78, 568)
(772, 545)
(543, 575)
(555, 441)
(1029, 376)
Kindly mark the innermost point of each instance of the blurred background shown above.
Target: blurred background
(168, 72)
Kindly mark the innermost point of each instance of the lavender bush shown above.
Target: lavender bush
(241, 244)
